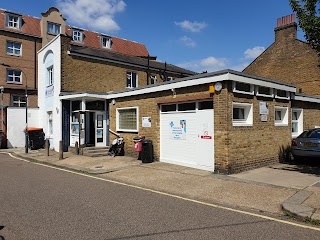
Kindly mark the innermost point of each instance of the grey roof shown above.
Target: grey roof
(127, 59)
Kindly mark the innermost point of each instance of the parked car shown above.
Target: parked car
(307, 144)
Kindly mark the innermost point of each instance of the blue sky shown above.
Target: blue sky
(202, 35)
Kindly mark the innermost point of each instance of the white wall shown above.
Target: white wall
(16, 119)
(50, 55)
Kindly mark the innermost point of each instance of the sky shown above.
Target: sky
(202, 35)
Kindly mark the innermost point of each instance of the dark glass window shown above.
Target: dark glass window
(187, 106)
(168, 108)
(205, 105)
(95, 105)
(281, 93)
(243, 87)
(76, 105)
(264, 90)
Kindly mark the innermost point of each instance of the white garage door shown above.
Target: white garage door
(186, 134)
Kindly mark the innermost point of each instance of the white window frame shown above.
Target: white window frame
(168, 79)
(19, 101)
(234, 88)
(16, 46)
(118, 110)
(56, 28)
(284, 116)
(14, 75)
(248, 114)
(153, 79)
(77, 35)
(50, 72)
(271, 94)
(130, 74)
(299, 121)
(108, 42)
(280, 97)
(13, 21)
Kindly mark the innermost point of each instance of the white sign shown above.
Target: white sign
(146, 121)
(178, 129)
(49, 91)
(264, 108)
(264, 118)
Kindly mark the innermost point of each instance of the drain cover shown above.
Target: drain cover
(98, 166)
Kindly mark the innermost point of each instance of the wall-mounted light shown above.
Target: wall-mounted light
(113, 101)
(218, 86)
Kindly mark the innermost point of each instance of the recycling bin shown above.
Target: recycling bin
(147, 151)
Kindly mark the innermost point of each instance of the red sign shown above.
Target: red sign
(206, 137)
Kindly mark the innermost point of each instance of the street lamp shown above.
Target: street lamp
(26, 92)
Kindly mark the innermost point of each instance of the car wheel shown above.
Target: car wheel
(290, 157)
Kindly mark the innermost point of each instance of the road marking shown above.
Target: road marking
(173, 196)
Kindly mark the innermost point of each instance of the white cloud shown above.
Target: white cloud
(209, 64)
(188, 42)
(94, 14)
(252, 53)
(191, 26)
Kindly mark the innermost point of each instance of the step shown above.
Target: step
(96, 154)
(96, 151)
(95, 148)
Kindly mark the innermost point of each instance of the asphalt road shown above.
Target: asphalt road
(38, 202)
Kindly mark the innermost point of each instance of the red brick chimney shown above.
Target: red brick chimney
(286, 28)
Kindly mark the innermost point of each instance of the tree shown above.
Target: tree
(308, 14)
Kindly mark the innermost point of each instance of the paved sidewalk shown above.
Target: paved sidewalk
(266, 189)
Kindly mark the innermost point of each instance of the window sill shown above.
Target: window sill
(281, 124)
(19, 83)
(127, 130)
(14, 55)
(241, 124)
(264, 95)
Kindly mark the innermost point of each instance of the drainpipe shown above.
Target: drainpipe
(35, 64)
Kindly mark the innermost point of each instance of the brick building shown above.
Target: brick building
(74, 81)
(289, 60)
(23, 36)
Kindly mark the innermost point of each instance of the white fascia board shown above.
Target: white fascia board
(169, 86)
(83, 95)
(259, 82)
(307, 99)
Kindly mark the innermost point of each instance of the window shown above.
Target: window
(50, 76)
(264, 91)
(50, 124)
(169, 108)
(13, 21)
(281, 94)
(14, 76)
(281, 116)
(168, 79)
(77, 36)
(18, 101)
(153, 79)
(187, 106)
(53, 28)
(13, 48)
(127, 119)
(106, 42)
(205, 105)
(243, 88)
(132, 80)
(242, 114)
(297, 122)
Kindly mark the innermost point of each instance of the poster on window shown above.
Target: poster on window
(178, 129)
(99, 121)
(75, 129)
(99, 135)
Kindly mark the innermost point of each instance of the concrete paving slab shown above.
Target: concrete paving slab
(314, 200)
(298, 210)
(269, 175)
(211, 189)
(299, 197)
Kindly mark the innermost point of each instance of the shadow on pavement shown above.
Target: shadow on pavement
(307, 165)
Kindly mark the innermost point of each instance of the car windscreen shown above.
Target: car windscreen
(315, 134)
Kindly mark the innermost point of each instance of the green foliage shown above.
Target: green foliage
(308, 14)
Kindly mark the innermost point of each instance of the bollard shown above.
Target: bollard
(47, 146)
(76, 146)
(60, 150)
